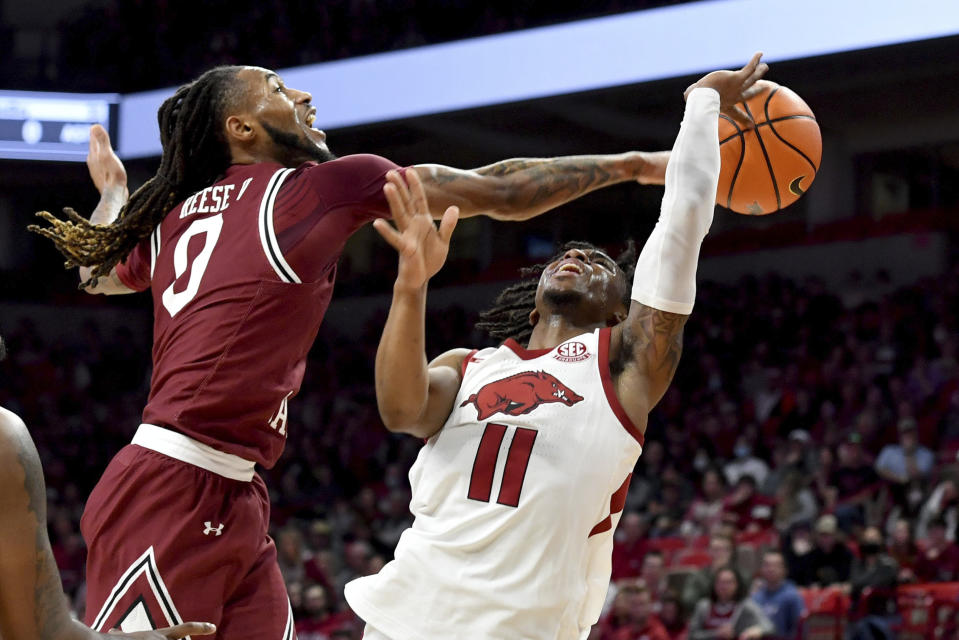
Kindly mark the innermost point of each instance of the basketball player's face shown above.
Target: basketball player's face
(286, 117)
(586, 282)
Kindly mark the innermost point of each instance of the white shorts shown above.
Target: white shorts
(369, 633)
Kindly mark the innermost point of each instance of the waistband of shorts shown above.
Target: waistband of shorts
(186, 449)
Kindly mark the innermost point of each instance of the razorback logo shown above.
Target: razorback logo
(519, 394)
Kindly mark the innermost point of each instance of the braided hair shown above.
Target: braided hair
(509, 315)
(195, 155)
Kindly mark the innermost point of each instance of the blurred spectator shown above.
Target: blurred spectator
(907, 461)
(318, 620)
(728, 613)
(797, 544)
(939, 560)
(653, 575)
(745, 509)
(796, 455)
(942, 503)
(632, 616)
(629, 546)
(874, 569)
(290, 554)
(795, 502)
(745, 463)
(902, 548)
(356, 563)
(777, 596)
(673, 617)
(706, 509)
(829, 562)
(667, 506)
(395, 520)
(722, 553)
(853, 482)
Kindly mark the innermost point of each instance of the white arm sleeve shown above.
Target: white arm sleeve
(665, 276)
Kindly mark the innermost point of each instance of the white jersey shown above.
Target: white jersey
(515, 502)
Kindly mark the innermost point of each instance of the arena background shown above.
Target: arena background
(837, 316)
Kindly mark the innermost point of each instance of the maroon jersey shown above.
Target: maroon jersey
(241, 275)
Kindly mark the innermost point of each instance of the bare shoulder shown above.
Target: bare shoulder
(13, 433)
(453, 358)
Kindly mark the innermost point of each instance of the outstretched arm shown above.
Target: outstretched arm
(413, 396)
(649, 342)
(32, 604)
(522, 188)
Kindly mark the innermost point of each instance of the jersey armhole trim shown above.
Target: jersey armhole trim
(617, 502)
(466, 361)
(154, 249)
(611, 397)
(271, 247)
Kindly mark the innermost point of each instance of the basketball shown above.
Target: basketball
(768, 168)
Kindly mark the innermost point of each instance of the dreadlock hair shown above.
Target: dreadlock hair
(195, 154)
(509, 315)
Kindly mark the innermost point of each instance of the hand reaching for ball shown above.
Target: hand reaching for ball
(734, 87)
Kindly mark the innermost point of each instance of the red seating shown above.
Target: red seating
(827, 610)
(697, 558)
(669, 547)
(915, 611)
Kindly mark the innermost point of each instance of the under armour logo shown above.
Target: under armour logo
(211, 529)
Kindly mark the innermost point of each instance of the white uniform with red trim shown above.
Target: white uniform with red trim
(515, 499)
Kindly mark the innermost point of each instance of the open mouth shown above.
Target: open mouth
(310, 118)
(570, 267)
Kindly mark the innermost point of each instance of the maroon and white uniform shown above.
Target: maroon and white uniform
(241, 275)
(516, 499)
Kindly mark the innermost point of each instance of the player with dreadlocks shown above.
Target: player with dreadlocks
(530, 448)
(237, 237)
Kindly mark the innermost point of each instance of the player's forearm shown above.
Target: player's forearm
(521, 188)
(401, 371)
(666, 269)
(112, 199)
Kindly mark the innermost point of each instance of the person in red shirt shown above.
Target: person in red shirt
(632, 616)
(319, 621)
(939, 560)
(629, 546)
(237, 236)
(747, 510)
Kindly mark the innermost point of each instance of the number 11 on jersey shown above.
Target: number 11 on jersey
(517, 460)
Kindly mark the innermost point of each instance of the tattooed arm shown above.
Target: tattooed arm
(522, 188)
(32, 604)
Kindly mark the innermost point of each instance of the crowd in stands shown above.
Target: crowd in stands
(129, 45)
(806, 445)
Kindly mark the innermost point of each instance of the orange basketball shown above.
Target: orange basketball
(767, 168)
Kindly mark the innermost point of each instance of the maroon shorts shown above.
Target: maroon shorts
(171, 542)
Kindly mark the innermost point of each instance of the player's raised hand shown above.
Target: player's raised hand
(103, 163)
(422, 247)
(734, 87)
(170, 633)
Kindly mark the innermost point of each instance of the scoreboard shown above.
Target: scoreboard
(38, 125)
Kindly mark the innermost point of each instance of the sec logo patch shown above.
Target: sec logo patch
(571, 352)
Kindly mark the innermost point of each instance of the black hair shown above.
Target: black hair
(195, 155)
(740, 584)
(509, 315)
